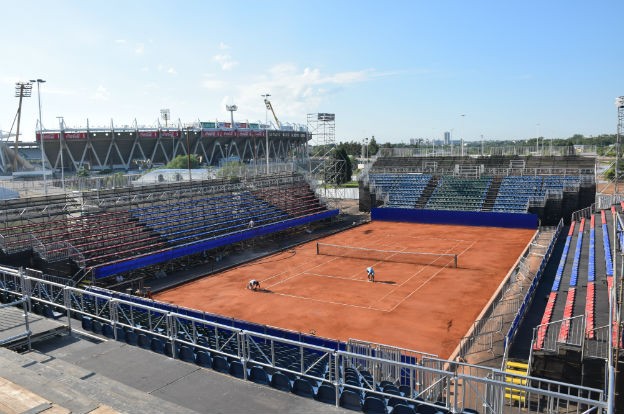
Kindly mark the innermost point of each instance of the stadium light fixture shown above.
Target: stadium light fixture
(43, 157)
(22, 90)
(231, 109)
(165, 115)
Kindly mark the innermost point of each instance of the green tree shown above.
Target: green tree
(182, 161)
(373, 147)
(345, 172)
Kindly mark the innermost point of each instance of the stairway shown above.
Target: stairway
(490, 197)
(514, 395)
(424, 197)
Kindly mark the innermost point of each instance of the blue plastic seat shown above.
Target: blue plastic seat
(186, 354)
(144, 341)
(131, 338)
(374, 405)
(237, 369)
(403, 409)
(280, 381)
(326, 393)
(108, 331)
(157, 345)
(350, 400)
(203, 359)
(87, 323)
(220, 364)
(303, 388)
(258, 375)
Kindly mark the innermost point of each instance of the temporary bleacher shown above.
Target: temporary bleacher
(580, 318)
(456, 193)
(516, 192)
(403, 190)
(114, 226)
(552, 297)
(568, 311)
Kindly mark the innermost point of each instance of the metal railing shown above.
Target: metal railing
(427, 380)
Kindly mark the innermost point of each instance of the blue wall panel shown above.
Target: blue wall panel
(463, 218)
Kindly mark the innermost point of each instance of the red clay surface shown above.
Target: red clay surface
(420, 307)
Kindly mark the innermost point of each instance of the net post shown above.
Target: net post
(455, 257)
(317, 248)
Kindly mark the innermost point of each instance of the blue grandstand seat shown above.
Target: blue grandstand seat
(258, 375)
(131, 338)
(280, 381)
(406, 390)
(121, 333)
(392, 401)
(203, 359)
(326, 393)
(403, 409)
(144, 341)
(158, 345)
(108, 331)
(374, 405)
(427, 409)
(237, 369)
(87, 323)
(186, 354)
(220, 364)
(350, 400)
(303, 388)
(469, 411)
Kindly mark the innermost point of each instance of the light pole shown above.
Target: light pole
(61, 137)
(43, 157)
(266, 130)
(22, 90)
(619, 104)
(463, 133)
(537, 139)
(231, 109)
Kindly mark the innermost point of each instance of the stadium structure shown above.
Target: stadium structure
(545, 340)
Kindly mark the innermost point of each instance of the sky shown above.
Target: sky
(394, 70)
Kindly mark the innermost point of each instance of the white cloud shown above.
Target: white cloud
(225, 61)
(139, 49)
(120, 41)
(223, 46)
(295, 91)
(172, 71)
(213, 84)
(101, 94)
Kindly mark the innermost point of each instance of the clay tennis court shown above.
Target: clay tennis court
(424, 307)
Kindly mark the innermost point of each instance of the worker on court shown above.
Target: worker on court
(371, 273)
(253, 285)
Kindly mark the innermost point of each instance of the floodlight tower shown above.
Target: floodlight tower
(165, 115)
(22, 90)
(619, 104)
(231, 109)
(266, 130)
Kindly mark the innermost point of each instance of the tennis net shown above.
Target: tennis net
(432, 259)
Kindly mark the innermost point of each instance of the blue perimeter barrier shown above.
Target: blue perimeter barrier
(528, 297)
(454, 217)
(224, 320)
(188, 249)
